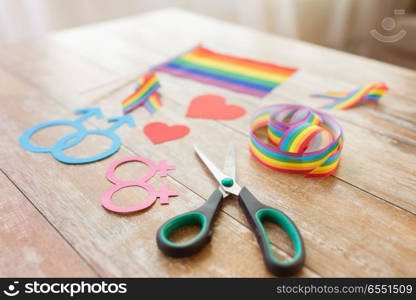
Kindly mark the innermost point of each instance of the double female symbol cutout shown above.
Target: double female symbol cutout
(164, 193)
(75, 138)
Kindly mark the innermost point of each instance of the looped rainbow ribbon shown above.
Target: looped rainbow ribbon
(300, 140)
(345, 100)
(145, 93)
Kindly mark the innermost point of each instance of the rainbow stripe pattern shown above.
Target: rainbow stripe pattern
(345, 100)
(153, 103)
(234, 73)
(300, 140)
(145, 93)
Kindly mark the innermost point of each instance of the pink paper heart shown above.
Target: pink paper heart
(213, 107)
(159, 132)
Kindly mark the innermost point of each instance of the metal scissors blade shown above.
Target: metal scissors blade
(229, 164)
(218, 174)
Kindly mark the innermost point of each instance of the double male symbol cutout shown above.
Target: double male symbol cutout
(78, 136)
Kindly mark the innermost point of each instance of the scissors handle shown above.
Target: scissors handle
(202, 216)
(257, 213)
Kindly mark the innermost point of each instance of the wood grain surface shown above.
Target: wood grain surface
(359, 222)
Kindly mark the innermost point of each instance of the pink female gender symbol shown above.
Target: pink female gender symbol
(163, 194)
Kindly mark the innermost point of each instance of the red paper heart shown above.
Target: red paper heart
(213, 107)
(159, 132)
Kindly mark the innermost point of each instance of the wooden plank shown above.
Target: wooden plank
(392, 121)
(333, 227)
(364, 151)
(29, 246)
(195, 173)
(133, 33)
(331, 224)
(244, 41)
(58, 72)
(385, 118)
(114, 245)
(350, 69)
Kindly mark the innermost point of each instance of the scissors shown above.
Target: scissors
(255, 211)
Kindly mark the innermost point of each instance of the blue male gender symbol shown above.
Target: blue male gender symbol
(73, 139)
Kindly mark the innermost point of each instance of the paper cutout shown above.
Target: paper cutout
(213, 107)
(238, 74)
(345, 100)
(164, 193)
(159, 132)
(301, 140)
(145, 93)
(73, 139)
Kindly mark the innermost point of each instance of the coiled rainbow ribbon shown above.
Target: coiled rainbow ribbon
(301, 140)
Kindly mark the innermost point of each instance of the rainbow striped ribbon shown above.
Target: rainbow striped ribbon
(300, 140)
(145, 93)
(345, 100)
(234, 73)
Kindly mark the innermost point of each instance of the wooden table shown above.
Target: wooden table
(359, 222)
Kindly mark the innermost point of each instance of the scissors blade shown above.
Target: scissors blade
(229, 164)
(218, 174)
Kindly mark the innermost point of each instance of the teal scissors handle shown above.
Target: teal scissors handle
(204, 216)
(256, 213)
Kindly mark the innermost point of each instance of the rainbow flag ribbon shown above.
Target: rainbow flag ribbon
(234, 73)
(300, 140)
(145, 93)
(345, 100)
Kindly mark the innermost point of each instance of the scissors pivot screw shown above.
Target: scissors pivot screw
(227, 182)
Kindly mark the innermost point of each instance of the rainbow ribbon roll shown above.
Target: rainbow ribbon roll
(145, 94)
(345, 100)
(300, 140)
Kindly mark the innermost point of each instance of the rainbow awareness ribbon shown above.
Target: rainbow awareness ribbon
(300, 140)
(145, 93)
(345, 100)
